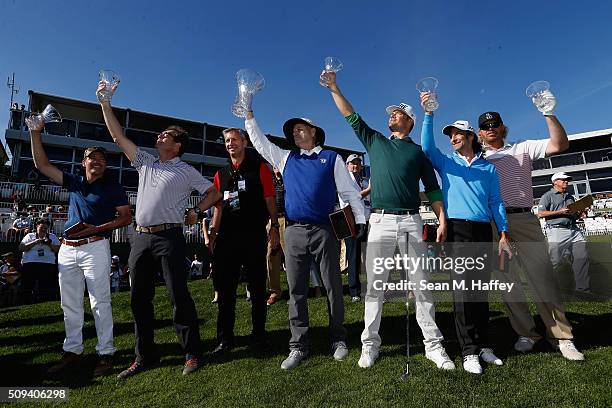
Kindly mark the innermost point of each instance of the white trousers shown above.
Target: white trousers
(89, 263)
(387, 233)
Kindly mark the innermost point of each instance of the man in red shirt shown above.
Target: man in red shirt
(238, 237)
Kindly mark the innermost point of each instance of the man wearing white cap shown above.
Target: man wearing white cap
(313, 178)
(353, 244)
(562, 232)
(397, 166)
(472, 200)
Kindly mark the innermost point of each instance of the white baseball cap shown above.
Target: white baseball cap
(561, 176)
(458, 124)
(352, 157)
(404, 107)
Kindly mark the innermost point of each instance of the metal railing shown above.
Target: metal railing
(574, 159)
(33, 192)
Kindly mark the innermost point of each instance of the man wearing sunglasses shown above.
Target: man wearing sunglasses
(98, 205)
(165, 184)
(514, 164)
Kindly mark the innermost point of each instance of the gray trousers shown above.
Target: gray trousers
(571, 240)
(303, 244)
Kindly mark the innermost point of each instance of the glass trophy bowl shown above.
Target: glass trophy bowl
(111, 79)
(249, 82)
(540, 95)
(429, 84)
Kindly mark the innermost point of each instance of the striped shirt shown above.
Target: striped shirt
(164, 189)
(513, 164)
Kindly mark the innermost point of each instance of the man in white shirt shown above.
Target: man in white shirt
(39, 252)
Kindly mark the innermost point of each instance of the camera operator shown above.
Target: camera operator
(39, 267)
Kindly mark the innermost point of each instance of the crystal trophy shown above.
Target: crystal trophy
(249, 83)
(111, 79)
(37, 121)
(429, 84)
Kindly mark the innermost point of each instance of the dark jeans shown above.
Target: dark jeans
(471, 239)
(236, 251)
(166, 251)
(353, 257)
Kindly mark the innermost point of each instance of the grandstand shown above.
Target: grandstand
(83, 126)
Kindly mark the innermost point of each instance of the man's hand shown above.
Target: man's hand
(565, 211)
(504, 245)
(89, 230)
(551, 103)
(424, 99)
(103, 94)
(212, 238)
(274, 237)
(441, 233)
(191, 217)
(327, 79)
(35, 122)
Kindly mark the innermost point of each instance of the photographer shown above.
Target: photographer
(39, 268)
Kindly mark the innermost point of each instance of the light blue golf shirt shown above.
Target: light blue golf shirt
(471, 191)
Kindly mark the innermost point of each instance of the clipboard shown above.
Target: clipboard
(343, 223)
(580, 205)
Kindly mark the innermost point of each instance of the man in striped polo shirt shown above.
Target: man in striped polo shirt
(397, 166)
(165, 184)
(313, 178)
(514, 164)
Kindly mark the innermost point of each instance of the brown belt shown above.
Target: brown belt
(79, 242)
(152, 229)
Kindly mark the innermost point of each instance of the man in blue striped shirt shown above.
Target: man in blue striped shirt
(472, 198)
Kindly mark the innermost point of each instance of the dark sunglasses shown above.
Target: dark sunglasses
(488, 126)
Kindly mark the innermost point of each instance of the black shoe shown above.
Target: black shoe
(68, 360)
(104, 366)
(223, 348)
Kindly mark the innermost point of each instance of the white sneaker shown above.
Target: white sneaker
(471, 364)
(339, 350)
(524, 344)
(294, 359)
(488, 357)
(441, 359)
(368, 357)
(569, 350)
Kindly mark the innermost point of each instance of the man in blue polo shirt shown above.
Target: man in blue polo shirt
(98, 205)
(472, 200)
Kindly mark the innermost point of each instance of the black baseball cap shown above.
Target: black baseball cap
(93, 149)
(489, 117)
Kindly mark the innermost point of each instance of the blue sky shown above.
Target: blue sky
(179, 58)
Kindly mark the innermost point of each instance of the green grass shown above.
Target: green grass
(31, 337)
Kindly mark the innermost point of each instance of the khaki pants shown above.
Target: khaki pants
(533, 258)
(274, 258)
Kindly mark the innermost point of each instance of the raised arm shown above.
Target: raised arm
(328, 79)
(128, 147)
(558, 141)
(40, 157)
(268, 150)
